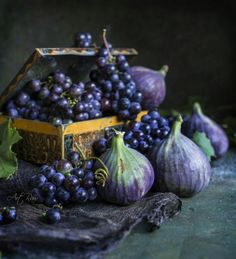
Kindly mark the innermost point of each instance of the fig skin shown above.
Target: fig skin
(179, 164)
(151, 84)
(130, 174)
(199, 122)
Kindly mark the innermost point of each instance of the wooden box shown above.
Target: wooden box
(43, 142)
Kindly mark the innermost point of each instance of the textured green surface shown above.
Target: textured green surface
(206, 227)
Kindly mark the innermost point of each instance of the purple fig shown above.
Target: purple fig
(200, 122)
(180, 166)
(151, 84)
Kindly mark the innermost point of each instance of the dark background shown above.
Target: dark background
(195, 40)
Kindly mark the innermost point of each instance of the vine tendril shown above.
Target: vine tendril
(101, 174)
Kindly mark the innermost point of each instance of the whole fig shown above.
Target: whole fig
(179, 164)
(130, 173)
(151, 84)
(200, 122)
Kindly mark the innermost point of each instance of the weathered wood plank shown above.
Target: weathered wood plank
(85, 231)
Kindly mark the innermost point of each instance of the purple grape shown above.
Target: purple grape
(64, 166)
(124, 115)
(119, 85)
(50, 201)
(80, 195)
(137, 97)
(92, 194)
(57, 89)
(79, 107)
(43, 93)
(80, 117)
(59, 77)
(103, 52)
(107, 86)
(58, 179)
(154, 115)
(62, 103)
(52, 216)
(13, 113)
(75, 91)
(79, 172)
(87, 97)
(120, 59)
(89, 86)
(100, 146)
(135, 108)
(48, 172)
(37, 180)
(62, 195)
(123, 66)
(89, 175)
(105, 105)
(48, 188)
(97, 95)
(89, 164)
(33, 114)
(71, 183)
(146, 118)
(96, 104)
(126, 77)
(87, 183)
(114, 78)
(124, 103)
(110, 69)
(74, 157)
(53, 97)
(34, 86)
(133, 143)
(22, 99)
(101, 62)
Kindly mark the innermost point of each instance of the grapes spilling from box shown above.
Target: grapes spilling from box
(57, 99)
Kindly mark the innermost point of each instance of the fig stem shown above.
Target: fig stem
(197, 108)
(118, 139)
(177, 125)
(118, 133)
(164, 69)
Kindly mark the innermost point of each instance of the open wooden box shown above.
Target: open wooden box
(43, 142)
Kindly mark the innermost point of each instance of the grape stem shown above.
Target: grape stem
(111, 58)
(80, 151)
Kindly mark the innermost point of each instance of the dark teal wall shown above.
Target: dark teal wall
(196, 41)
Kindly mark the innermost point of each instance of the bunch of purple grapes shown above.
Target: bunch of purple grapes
(141, 136)
(57, 100)
(120, 96)
(66, 181)
(83, 40)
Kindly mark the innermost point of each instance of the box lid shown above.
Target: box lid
(75, 62)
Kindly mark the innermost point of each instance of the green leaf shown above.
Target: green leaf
(204, 143)
(8, 160)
